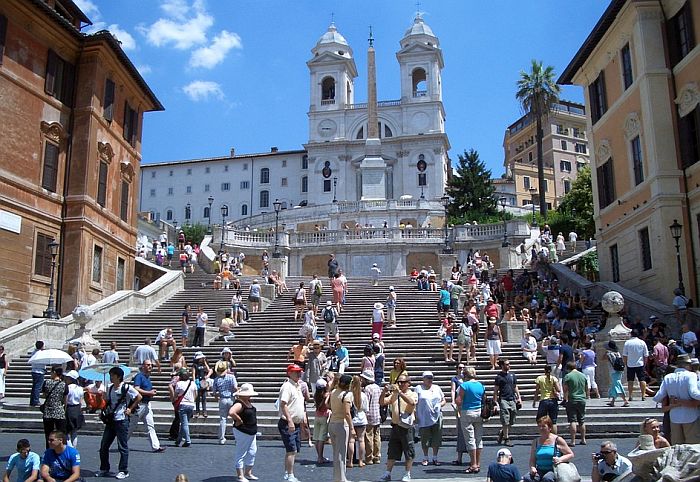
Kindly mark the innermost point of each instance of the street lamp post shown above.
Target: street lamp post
(211, 201)
(224, 214)
(278, 207)
(533, 194)
(445, 200)
(505, 242)
(188, 213)
(676, 230)
(335, 183)
(51, 312)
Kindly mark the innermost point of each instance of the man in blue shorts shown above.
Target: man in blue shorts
(291, 414)
(25, 461)
(60, 463)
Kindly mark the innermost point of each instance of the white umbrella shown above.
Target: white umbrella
(51, 356)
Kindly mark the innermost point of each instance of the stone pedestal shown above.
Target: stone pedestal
(82, 316)
(281, 265)
(612, 302)
(509, 258)
(513, 330)
(447, 262)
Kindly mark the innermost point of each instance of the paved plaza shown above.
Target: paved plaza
(207, 461)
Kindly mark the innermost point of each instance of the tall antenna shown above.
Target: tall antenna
(332, 18)
(371, 37)
(418, 8)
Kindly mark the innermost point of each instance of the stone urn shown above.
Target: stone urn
(613, 302)
(82, 315)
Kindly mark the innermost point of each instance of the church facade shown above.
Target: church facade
(408, 148)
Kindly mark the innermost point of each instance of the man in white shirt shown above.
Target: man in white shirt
(573, 237)
(291, 413)
(38, 374)
(89, 359)
(680, 303)
(316, 290)
(681, 388)
(164, 340)
(635, 354)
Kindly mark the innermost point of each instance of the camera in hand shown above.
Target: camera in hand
(598, 456)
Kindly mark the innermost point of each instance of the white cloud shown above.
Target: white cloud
(214, 54)
(88, 8)
(175, 8)
(144, 69)
(183, 30)
(202, 90)
(127, 41)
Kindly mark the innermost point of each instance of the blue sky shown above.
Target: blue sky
(232, 73)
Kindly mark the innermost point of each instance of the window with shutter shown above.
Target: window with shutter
(3, 36)
(50, 171)
(109, 100)
(102, 185)
(42, 255)
(124, 211)
(130, 124)
(59, 78)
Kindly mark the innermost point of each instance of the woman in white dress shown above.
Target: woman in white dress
(561, 244)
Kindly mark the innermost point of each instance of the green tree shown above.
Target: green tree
(578, 204)
(471, 190)
(194, 232)
(537, 91)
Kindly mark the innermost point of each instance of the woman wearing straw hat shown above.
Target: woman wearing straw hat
(378, 319)
(245, 429)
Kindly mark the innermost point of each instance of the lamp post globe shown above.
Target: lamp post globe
(278, 207)
(51, 312)
(211, 201)
(676, 232)
(224, 215)
(445, 200)
(504, 202)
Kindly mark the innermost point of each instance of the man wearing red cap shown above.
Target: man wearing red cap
(291, 413)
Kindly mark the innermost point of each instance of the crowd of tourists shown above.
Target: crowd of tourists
(351, 401)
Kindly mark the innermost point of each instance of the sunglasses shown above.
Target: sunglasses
(606, 452)
(403, 381)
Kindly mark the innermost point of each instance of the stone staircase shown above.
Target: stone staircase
(260, 349)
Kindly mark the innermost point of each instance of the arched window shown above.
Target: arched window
(305, 184)
(244, 210)
(264, 176)
(387, 131)
(169, 215)
(420, 86)
(206, 212)
(360, 133)
(264, 199)
(328, 91)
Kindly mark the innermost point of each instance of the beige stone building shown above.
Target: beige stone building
(71, 109)
(640, 69)
(565, 151)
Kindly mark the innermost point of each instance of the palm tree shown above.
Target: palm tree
(537, 91)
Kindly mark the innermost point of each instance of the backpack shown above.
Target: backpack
(328, 315)
(318, 290)
(618, 363)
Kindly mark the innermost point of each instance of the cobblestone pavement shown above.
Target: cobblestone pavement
(207, 461)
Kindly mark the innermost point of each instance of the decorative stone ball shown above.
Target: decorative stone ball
(613, 302)
(82, 314)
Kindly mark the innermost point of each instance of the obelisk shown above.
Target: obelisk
(372, 167)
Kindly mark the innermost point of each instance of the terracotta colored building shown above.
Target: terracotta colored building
(640, 69)
(71, 110)
(564, 148)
